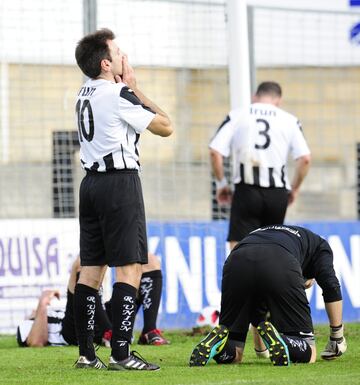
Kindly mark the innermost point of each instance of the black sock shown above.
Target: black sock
(150, 296)
(299, 348)
(68, 329)
(102, 322)
(84, 315)
(138, 303)
(108, 309)
(123, 316)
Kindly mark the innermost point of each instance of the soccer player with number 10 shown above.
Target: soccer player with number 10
(111, 114)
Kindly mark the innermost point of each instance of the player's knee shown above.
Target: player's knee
(130, 274)
(91, 276)
(153, 264)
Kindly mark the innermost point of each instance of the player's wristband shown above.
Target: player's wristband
(221, 183)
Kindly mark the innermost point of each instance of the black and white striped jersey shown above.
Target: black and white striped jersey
(55, 318)
(259, 138)
(54, 323)
(110, 118)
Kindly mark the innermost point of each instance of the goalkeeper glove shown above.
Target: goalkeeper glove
(262, 353)
(336, 345)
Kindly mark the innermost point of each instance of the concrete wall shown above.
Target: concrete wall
(176, 173)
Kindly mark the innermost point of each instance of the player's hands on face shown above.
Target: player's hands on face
(128, 74)
(224, 196)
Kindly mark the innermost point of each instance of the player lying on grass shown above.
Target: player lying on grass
(50, 326)
(268, 268)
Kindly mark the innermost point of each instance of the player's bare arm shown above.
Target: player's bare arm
(301, 170)
(336, 345)
(223, 191)
(38, 336)
(161, 124)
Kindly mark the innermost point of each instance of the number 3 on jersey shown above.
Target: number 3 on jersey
(263, 126)
(84, 108)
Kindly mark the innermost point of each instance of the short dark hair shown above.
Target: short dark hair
(91, 49)
(269, 88)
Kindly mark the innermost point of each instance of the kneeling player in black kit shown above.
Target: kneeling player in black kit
(270, 267)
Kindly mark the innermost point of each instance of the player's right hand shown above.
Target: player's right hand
(128, 75)
(292, 196)
(334, 349)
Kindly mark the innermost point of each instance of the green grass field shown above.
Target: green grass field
(53, 365)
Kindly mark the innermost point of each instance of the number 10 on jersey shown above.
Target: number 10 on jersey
(83, 108)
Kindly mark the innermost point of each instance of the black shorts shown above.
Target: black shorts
(256, 275)
(112, 219)
(253, 207)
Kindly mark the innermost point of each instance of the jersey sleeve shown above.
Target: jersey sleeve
(133, 112)
(221, 141)
(324, 272)
(298, 145)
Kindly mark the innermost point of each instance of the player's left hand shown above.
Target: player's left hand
(334, 349)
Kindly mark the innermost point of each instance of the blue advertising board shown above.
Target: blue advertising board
(193, 253)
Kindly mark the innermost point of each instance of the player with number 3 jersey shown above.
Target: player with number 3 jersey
(259, 139)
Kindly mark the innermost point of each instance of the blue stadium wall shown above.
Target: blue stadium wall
(36, 254)
(193, 253)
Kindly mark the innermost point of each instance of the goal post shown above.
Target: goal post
(238, 53)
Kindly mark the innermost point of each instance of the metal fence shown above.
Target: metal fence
(184, 70)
